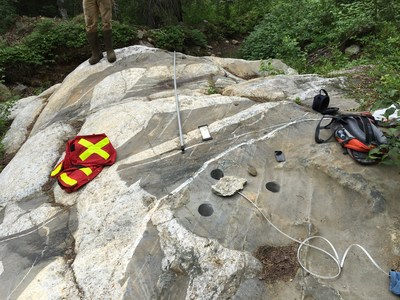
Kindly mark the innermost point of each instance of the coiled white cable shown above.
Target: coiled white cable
(335, 256)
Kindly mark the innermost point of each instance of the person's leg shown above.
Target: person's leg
(105, 7)
(91, 12)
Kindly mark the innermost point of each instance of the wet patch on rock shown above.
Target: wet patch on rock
(2, 213)
(395, 264)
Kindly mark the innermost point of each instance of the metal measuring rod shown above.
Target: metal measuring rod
(177, 108)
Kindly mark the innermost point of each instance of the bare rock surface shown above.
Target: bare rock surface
(150, 226)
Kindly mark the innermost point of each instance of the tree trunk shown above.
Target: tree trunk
(163, 12)
(116, 9)
(62, 9)
(178, 10)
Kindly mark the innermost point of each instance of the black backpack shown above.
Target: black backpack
(321, 104)
(357, 133)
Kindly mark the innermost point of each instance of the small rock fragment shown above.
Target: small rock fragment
(252, 170)
(228, 186)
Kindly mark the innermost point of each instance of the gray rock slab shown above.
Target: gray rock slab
(250, 69)
(150, 227)
(31, 166)
(19, 129)
(25, 254)
(298, 88)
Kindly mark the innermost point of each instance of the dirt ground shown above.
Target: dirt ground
(279, 263)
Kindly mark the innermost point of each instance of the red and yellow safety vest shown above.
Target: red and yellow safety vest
(85, 157)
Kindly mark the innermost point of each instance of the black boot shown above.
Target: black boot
(95, 47)
(107, 35)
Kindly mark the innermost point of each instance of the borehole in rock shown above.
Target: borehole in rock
(217, 174)
(273, 187)
(205, 210)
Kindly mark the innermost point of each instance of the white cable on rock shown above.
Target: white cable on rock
(335, 256)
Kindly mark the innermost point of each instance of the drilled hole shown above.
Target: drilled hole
(206, 210)
(217, 174)
(273, 187)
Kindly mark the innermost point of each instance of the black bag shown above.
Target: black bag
(321, 103)
(357, 133)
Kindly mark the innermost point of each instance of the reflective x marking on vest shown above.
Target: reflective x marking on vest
(57, 169)
(94, 148)
(87, 171)
(70, 181)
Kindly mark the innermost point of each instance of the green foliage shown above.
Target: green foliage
(266, 68)
(19, 54)
(5, 108)
(312, 34)
(2, 154)
(150, 13)
(195, 12)
(286, 31)
(49, 40)
(353, 18)
(210, 30)
(330, 59)
(384, 47)
(390, 152)
(52, 41)
(212, 88)
(170, 38)
(47, 8)
(3, 123)
(224, 19)
(194, 37)
(389, 89)
(123, 35)
(131, 12)
(73, 7)
(8, 14)
(178, 38)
